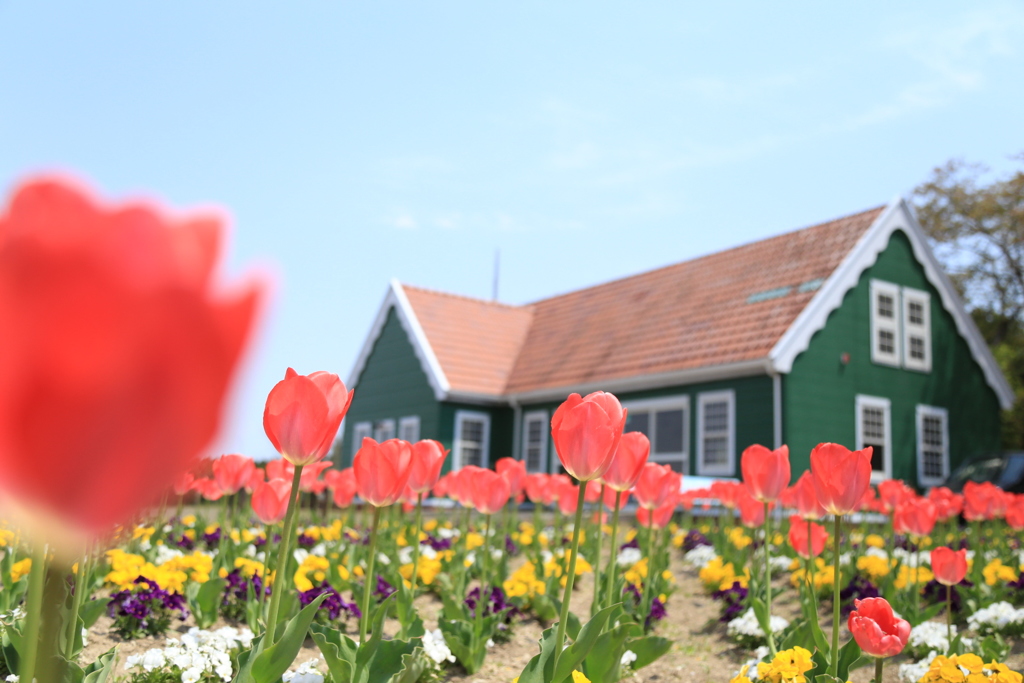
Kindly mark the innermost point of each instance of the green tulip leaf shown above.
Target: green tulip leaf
(648, 650)
(574, 655)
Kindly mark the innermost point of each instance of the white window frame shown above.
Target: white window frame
(360, 430)
(485, 447)
(923, 330)
(885, 405)
(894, 359)
(655, 405)
(383, 430)
(729, 469)
(409, 422)
(535, 416)
(924, 411)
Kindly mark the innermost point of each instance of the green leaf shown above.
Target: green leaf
(538, 669)
(603, 663)
(390, 660)
(92, 610)
(102, 669)
(572, 656)
(849, 655)
(414, 665)
(205, 601)
(338, 650)
(811, 615)
(544, 608)
(648, 649)
(367, 650)
(825, 678)
(761, 612)
(266, 664)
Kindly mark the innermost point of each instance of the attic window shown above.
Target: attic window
(885, 326)
(917, 329)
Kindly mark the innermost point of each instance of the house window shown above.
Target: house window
(472, 432)
(665, 422)
(885, 323)
(932, 445)
(384, 430)
(874, 429)
(535, 440)
(917, 330)
(361, 430)
(716, 433)
(409, 428)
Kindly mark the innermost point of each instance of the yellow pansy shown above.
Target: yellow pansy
(20, 569)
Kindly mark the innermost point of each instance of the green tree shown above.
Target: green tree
(976, 224)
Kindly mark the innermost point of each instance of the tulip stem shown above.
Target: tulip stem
(81, 588)
(34, 612)
(768, 577)
(949, 619)
(280, 579)
(611, 549)
(834, 655)
(416, 543)
(649, 579)
(567, 593)
(597, 561)
(878, 669)
(364, 621)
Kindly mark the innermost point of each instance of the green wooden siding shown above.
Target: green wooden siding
(819, 395)
(754, 423)
(392, 385)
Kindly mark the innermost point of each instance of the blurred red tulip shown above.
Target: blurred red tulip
(805, 498)
(949, 566)
(609, 498)
(727, 492)
(878, 631)
(310, 482)
(488, 490)
(1015, 514)
(427, 458)
(798, 537)
(593, 491)
(515, 472)
(751, 511)
(892, 492)
(382, 470)
(765, 472)
(654, 485)
(983, 501)
(947, 503)
(629, 459)
(343, 487)
(270, 500)
(183, 484)
(914, 516)
(568, 497)
(303, 413)
(840, 476)
(257, 476)
(442, 487)
(232, 472)
(118, 352)
(586, 432)
(659, 517)
(535, 485)
(208, 488)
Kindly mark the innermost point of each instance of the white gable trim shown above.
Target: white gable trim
(396, 298)
(897, 216)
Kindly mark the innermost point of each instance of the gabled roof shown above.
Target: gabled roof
(747, 310)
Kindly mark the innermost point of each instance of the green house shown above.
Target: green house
(847, 331)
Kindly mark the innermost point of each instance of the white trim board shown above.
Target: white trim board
(396, 298)
(897, 216)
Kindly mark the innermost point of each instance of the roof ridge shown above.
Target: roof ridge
(701, 257)
(464, 297)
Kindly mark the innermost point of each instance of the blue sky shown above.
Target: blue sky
(586, 141)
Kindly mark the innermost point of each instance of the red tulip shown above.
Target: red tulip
(840, 476)
(270, 500)
(427, 458)
(947, 503)
(983, 501)
(727, 492)
(309, 481)
(443, 486)
(629, 459)
(382, 470)
(257, 476)
(876, 629)
(609, 498)
(915, 516)
(208, 488)
(303, 413)
(343, 487)
(488, 490)
(1015, 515)
(586, 432)
(280, 469)
(593, 491)
(515, 472)
(535, 486)
(765, 472)
(751, 511)
(805, 498)
(568, 497)
(659, 517)
(119, 348)
(893, 492)
(232, 472)
(798, 537)
(183, 484)
(457, 489)
(655, 484)
(949, 566)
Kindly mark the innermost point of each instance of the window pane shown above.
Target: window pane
(668, 431)
(877, 457)
(716, 417)
(885, 306)
(874, 425)
(472, 431)
(534, 443)
(917, 348)
(716, 450)
(886, 341)
(471, 455)
(639, 422)
(916, 313)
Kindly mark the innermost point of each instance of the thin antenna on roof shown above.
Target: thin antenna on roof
(497, 270)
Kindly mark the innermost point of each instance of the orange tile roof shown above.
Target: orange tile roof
(475, 341)
(694, 314)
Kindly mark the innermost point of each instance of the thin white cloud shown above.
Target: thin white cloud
(405, 221)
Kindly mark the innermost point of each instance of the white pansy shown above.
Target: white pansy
(445, 532)
(995, 617)
(320, 550)
(300, 555)
(700, 556)
(490, 643)
(306, 673)
(165, 554)
(746, 625)
(872, 551)
(628, 657)
(912, 673)
(931, 635)
(250, 550)
(436, 647)
(383, 559)
(428, 552)
(781, 563)
(405, 555)
(628, 557)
